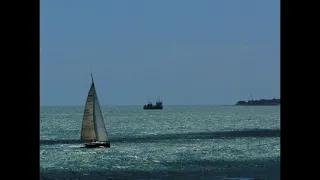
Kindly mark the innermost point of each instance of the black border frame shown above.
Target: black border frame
(21, 74)
(295, 65)
(21, 63)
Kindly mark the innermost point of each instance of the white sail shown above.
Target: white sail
(101, 132)
(93, 127)
(88, 129)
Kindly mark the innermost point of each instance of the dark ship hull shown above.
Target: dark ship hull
(152, 107)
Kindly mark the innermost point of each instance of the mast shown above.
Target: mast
(94, 108)
(94, 111)
(92, 78)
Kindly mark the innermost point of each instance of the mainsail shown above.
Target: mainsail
(93, 127)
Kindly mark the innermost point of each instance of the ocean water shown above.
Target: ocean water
(178, 142)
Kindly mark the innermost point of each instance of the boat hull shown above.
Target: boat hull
(96, 145)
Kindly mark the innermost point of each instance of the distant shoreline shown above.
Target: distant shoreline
(261, 102)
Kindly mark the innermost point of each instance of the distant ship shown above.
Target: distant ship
(261, 102)
(158, 105)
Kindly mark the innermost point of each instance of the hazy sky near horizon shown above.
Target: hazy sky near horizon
(185, 51)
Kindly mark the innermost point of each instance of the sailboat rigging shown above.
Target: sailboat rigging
(93, 129)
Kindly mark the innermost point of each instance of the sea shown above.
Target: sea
(178, 142)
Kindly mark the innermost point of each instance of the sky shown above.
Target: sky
(187, 52)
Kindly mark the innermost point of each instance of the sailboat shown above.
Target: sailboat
(93, 130)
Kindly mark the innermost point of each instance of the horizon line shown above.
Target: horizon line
(141, 105)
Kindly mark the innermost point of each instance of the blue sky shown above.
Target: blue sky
(187, 52)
